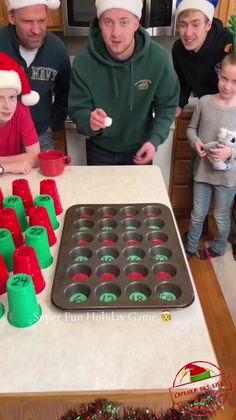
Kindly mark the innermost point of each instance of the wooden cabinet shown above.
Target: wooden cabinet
(3, 14)
(59, 138)
(181, 168)
(225, 9)
(54, 18)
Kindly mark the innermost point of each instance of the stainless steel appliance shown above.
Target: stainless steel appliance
(158, 16)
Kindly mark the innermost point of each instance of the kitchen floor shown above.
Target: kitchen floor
(219, 321)
(224, 267)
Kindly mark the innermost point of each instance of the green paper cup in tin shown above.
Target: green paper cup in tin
(2, 310)
(15, 202)
(37, 237)
(24, 309)
(46, 201)
(7, 247)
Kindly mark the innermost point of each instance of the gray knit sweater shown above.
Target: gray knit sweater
(205, 123)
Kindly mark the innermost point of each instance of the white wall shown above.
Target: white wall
(163, 158)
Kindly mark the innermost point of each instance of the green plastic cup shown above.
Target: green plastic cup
(46, 201)
(15, 202)
(24, 309)
(37, 237)
(7, 248)
(2, 310)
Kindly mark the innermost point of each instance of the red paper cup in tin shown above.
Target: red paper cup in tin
(1, 198)
(25, 261)
(9, 220)
(38, 216)
(21, 188)
(4, 275)
(48, 186)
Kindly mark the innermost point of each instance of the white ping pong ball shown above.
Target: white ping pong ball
(108, 121)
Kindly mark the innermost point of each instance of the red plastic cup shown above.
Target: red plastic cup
(21, 188)
(38, 216)
(26, 262)
(53, 162)
(49, 187)
(1, 198)
(4, 275)
(9, 220)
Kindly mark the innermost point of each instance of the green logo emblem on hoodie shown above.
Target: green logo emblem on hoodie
(143, 84)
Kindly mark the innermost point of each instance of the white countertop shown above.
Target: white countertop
(100, 350)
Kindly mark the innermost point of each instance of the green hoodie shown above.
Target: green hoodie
(140, 94)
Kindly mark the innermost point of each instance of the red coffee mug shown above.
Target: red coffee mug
(53, 162)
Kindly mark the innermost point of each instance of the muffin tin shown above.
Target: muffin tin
(120, 256)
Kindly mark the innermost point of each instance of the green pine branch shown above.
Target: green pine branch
(232, 30)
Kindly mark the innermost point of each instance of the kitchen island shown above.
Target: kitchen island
(97, 353)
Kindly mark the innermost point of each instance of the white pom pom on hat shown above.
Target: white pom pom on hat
(19, 4)
(132, 6)
(12, 76)
(203, 5)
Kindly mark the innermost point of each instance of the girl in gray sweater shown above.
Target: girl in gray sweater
(213, 113)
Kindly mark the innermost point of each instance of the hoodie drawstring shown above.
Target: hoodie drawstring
(116, 88)
(131, 88)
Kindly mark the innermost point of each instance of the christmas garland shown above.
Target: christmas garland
(105, 410)
(102, 409)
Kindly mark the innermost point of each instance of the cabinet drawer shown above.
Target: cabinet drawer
(181, 199)
(181, 130)
(182, 172)
(182, 167)
(182, 124)
(183, 150)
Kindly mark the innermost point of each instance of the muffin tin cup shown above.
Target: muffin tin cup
(83, 225)
(107, 254)
(79, 272)
(80, 254)
(129, 211)
(118, 256)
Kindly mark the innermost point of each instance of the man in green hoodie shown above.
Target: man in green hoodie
(124, 91)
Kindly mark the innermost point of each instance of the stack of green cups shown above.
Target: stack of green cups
(37, 237)
(24, 310)
(45, 200)
(7, 248)
(15, 202)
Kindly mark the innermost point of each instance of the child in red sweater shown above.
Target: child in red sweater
(19, 145)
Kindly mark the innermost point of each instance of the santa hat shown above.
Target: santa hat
(133, 6)
(12, 76)
(204, 6)
(18, 4)
(197, 373)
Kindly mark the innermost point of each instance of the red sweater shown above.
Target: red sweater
(18, 133)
